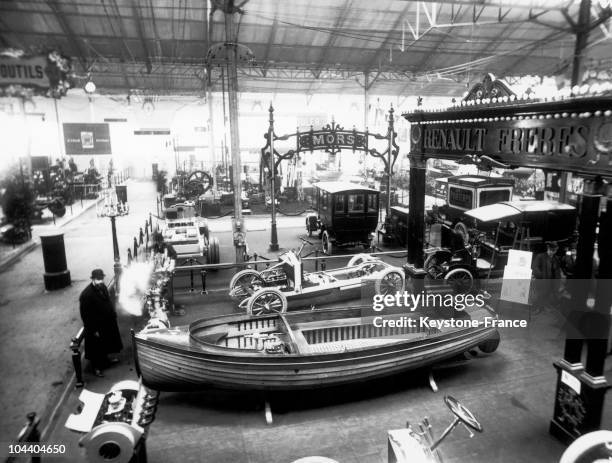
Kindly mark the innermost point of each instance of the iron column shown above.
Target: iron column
(272, 167)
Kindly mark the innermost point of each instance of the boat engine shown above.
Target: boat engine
(156, 302)
(116, 423)
(157, 309)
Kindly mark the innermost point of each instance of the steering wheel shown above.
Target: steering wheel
(462, 413)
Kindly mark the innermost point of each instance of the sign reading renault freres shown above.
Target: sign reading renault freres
(570, 135)
(87, 139)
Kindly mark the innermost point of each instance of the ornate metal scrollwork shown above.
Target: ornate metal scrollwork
(490, 87)
(333, 138)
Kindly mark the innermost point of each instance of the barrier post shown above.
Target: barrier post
(203, 276)
(75, 347)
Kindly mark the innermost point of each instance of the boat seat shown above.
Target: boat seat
(349, 344)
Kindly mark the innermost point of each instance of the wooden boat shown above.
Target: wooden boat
(302, 349)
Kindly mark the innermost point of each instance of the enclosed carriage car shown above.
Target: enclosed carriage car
(347, 215)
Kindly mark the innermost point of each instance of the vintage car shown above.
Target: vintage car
(286, 285)
(395, 229)
(479, 247)
(347, 215)
(467, 192)
(187, 236)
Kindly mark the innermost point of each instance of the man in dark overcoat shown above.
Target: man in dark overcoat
(547, 272)
(100, 321)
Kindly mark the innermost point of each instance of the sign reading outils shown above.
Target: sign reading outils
(87, 139)
(24, 71)
(26, 75)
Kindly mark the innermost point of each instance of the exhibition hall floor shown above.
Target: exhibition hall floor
(510, 391)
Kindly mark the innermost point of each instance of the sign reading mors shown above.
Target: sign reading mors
(323, 140)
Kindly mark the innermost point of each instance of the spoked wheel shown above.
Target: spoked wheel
(390, 282)
(213, 251)
(462, 229)
(200, 176)
(432, 266)
(245, 283)
(460, 279)
(267, 301)
(327, 245)
(359, 259)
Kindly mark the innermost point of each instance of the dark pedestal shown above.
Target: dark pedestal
(415, 278)
(58, 280)
(578, 402)
(56, 274)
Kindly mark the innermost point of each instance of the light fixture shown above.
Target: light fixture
(90, 87)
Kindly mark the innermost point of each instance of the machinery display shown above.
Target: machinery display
(302, 349)
(346, 215)
(187, 236)
(286, 285)
(190, 186)
(52, 187)
(115, 424)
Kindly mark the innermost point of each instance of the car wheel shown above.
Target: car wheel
(267, 301)
(460, 279)
(245, 283)
(213, 251)
(327, 245)
(390, 281)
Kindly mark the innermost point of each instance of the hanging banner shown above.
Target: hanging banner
(24, 71)
(25, 75)
(87, 139)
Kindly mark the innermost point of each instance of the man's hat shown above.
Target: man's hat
(552, 245)
(97, 274)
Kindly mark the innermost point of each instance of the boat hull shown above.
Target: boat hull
(179, 364)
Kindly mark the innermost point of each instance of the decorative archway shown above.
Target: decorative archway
(331, 138)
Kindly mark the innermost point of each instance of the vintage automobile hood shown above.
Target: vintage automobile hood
(508, 209)
(493, 212)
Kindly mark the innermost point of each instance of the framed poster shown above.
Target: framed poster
(83, 139)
